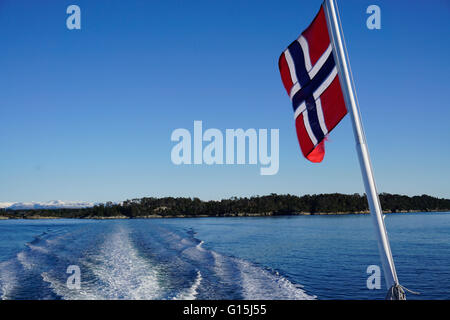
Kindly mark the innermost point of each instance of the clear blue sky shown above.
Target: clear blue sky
(88, 114)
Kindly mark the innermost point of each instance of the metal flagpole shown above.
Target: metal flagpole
(346, 79)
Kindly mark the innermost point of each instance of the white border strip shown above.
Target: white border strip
(291, 66)
(305, 49)
(319, 64)
(325, 84)
(308, 128)
(322, 123)
(299, 110)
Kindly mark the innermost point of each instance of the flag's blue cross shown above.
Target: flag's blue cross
(309, 86)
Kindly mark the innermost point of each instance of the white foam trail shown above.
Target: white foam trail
(119, 272)
(191, 293)
(8, 279)
(255, 282)
(223, 268)
(260, 284)
(37, 248)
(199, 246)
(24, 260)
(63, 291)
(124, 273)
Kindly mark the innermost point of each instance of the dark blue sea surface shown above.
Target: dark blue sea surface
(297, 257)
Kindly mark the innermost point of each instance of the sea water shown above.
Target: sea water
(289, 257)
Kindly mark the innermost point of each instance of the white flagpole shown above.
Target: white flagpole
(346, 80)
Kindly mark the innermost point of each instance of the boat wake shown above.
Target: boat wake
(191, 293)
(134, 263)
(116, 271)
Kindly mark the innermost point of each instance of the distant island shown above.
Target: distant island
(269, 205)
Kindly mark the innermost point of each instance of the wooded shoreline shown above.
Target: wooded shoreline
(261, 206)
(38, 217)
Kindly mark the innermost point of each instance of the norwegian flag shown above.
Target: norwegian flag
(309, 74)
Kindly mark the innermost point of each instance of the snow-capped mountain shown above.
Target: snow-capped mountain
(6, 204)
(54, 204)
